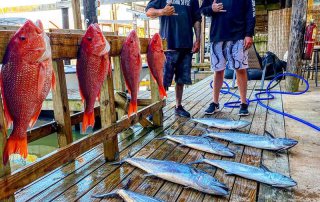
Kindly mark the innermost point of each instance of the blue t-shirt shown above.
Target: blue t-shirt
(177, 29)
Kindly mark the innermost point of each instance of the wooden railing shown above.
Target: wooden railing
(65, 45)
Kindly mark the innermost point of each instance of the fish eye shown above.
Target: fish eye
(22, 38)
(89, 38)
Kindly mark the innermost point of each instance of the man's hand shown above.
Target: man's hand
(248, 41)
(168, 10)
(217, 7)
(196, 47)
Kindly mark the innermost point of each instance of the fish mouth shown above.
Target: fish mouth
(106, 48)
(292, 183)
(47, 53)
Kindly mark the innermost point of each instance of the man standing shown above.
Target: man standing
(177, 18)
(232, 29)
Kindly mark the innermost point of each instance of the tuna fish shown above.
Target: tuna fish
(258, 141)
(131, 65)
(181, 174)
(222, 123)
(156, 60)
(93, 65)
(26, 79)
(259, 174)
(127, 196)
(202, 144)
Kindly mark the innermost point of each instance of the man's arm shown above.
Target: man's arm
(250, 23)
(168, 10)
(196, 21)
(210, 7)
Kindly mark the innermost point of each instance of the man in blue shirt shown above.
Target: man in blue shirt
(232, 29)
(177, 18)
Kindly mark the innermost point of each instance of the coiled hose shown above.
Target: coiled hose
(269, 96)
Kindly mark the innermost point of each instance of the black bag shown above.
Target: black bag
(273, 65)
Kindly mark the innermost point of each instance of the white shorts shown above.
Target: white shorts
(229, 53)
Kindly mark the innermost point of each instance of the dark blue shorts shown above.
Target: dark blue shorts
(178, 64)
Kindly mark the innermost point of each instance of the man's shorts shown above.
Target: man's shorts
(178, 64)
(228, 52)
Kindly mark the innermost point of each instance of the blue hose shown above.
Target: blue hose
(270, 96)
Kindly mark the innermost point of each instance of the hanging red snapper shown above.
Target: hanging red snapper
(156, 60)
(93, 65)
(131, 66)
(26, 79)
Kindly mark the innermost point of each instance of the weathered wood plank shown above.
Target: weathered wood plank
(157, 117)
(65, 46)
(9, 184)
(4, 169)
(108, 117)
(156, 146)
(275, 124)
(61, 105)
(74, 193)
(57, 177)
(75, 4)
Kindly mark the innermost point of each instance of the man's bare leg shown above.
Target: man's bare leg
(217, 85)
(179, 93)
(242, 81)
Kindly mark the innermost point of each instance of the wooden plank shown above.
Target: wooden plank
(75, 4)
(98, 175)
(276, 162)
(157, 117)
(9, 184)
(61, 105)
(155, 149)
(119, 84)
(65, 46)
(191, 195)
(108, 117)
(4, 169)
(191, 94)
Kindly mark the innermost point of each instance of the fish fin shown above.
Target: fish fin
(195, 162)
(127, 185)
(34, 118)
(107, 195)
(149, 175)
(264, 168)
(53, 82)
(133, 105)
(88, 120)
(162, 91)
(16, 144)
(269, 134)
(160, 138)
(227, 173)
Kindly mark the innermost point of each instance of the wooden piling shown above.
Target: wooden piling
(61, 105)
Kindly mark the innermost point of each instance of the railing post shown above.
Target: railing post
(4, 170)
(118, 82)
(157, 116)
(61, 105)
(108, 117)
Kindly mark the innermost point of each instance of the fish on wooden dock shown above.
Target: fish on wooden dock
(26, 79)
(202, 144)
(127, 196)
(156, 60)
(179, 173)
(259, 174)
(268, 142)
(131, 65)
(93, 65)
(222, 123)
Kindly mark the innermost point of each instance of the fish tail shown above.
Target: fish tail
(16, 144)
(133, 106)
(88, 120)
(162, 92)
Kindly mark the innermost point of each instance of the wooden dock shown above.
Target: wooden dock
(89, 173)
